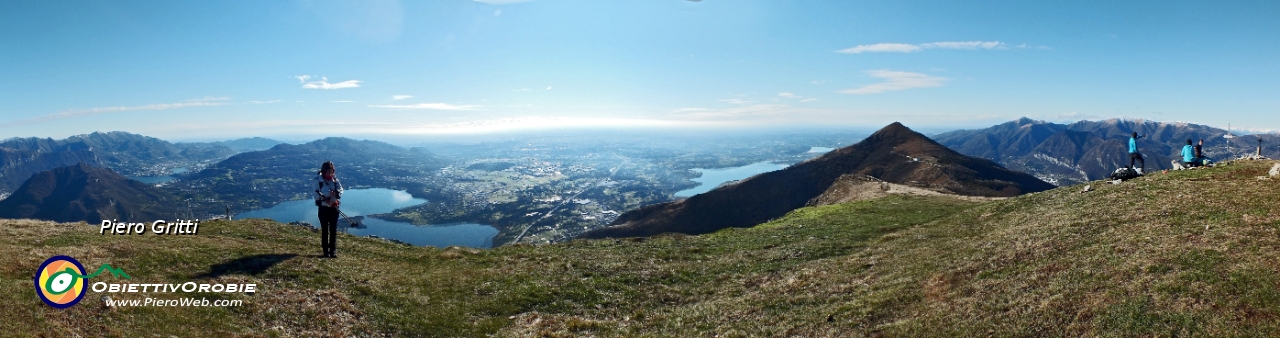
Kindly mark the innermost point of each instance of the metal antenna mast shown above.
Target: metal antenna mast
(1228, 137)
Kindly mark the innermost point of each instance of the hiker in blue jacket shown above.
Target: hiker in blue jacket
(1134, 154)
(1189, 155)
(1200, 158)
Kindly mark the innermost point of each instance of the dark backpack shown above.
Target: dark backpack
(1125, 174)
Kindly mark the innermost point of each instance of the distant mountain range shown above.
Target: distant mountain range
(90, 191)
(126, 153)
(85, 193)
(259, 179)
(894, 154)
(1066, 154)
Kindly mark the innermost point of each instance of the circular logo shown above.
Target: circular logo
(59, 282)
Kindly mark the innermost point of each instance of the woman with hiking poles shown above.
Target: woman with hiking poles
(328, 195)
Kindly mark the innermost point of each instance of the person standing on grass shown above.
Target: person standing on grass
(328, 197)
(1134, 155)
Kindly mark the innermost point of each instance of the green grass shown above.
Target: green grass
(1134, 259)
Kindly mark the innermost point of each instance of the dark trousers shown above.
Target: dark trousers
(1138, 157)
(328, 229)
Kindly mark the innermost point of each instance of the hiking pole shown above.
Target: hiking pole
(350, 223)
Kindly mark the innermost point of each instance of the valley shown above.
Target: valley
(541, 189)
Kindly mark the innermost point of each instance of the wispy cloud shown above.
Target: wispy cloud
(737, 101)
(787, 95)
(70, 113)
(400, 97)
(908, 48)
(964, 45)
(263, 102)
(881, 48)
(894, 80)
(809, 100)
(435, 106)
(343, 101)
(324, 83)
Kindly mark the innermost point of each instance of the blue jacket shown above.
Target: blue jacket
(1188, 153)
(1133, 145)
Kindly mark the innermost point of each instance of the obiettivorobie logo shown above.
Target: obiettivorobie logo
(61, 282)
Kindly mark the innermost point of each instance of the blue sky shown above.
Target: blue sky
(185, 70)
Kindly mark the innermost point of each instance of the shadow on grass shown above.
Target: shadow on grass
(250, 265)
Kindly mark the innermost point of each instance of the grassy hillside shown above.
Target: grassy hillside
(1124, 260)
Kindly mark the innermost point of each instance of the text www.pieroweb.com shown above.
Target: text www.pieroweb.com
(180, 302)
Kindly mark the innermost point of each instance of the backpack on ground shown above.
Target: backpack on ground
(1125, 174)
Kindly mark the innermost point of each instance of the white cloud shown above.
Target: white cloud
(324, 83)
(342, 101)
(263, 102)
(548, 87)
(908, 48)
(435, 106)
(787, 95)
(808, 100)
(964, 45)
(881, 48)
(400, 97)
(736, 101)
(94, 111)
(521, 90)
(685, 110)
(894, 80)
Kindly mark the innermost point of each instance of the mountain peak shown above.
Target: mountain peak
(894, 154)
(82, 192)
(894, 128)
(893, 133)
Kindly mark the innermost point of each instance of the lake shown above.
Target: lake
(712, 178)
(361, 202)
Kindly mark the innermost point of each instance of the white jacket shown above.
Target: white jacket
(323, 188)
